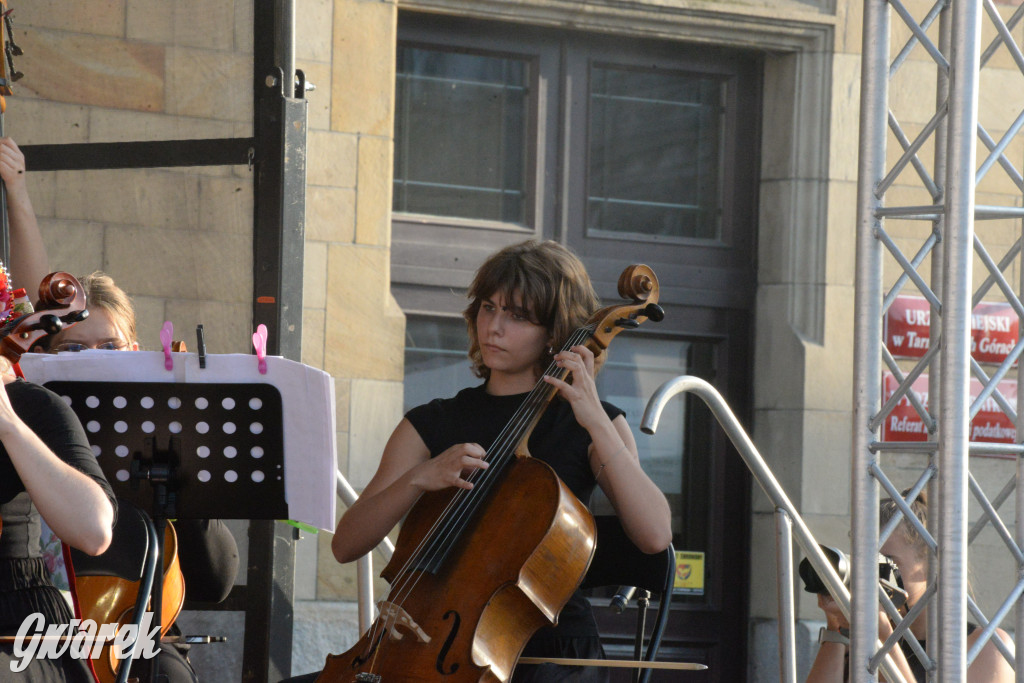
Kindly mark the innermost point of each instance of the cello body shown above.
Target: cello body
(470, 619)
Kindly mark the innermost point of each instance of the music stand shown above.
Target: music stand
(207, 450)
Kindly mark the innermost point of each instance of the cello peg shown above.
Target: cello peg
(50, 323)
(77, 316)
(654, 313)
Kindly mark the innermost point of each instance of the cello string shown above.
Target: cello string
(465, 502)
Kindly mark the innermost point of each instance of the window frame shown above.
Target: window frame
(430, 32)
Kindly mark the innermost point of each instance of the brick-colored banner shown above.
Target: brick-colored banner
(991, 424)
(995, 329)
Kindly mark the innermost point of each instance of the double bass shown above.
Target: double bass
(477, 572)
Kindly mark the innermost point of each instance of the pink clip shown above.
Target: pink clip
(259, 340)
(166, 333)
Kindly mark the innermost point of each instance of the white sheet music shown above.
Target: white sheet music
(307, 395)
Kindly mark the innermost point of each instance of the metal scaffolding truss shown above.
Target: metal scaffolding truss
(917, 211)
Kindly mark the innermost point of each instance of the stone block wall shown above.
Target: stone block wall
(180, 240)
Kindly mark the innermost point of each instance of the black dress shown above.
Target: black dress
(474, 416)
(25, 586)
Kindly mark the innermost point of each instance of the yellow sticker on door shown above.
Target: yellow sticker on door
(689, 573)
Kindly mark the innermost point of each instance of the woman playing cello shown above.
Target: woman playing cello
(525, 301)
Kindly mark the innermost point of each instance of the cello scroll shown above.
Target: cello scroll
(62, 302)
(639, 284)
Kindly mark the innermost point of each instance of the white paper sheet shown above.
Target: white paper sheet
(307, 396)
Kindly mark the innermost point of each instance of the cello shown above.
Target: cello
(476, 572)
(109, 599)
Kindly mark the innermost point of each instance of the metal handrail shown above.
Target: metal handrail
(786, 514)
(364, 565)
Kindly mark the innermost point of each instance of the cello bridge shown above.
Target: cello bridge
(393, 616)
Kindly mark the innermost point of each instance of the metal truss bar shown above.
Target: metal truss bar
(925, 41)
(910, 154)
(915, 402)
(997, 502)
(1019, 526)
(911, 43)
(1010, 24)
(997, 153)
(1007, 165)
(933, 212)
(867, 368)
(921, 212)
(904, 387)
(1004, 34)
(897, 254)
(1004, 263)
(989, 627)
(996, 273)
(954, 426)
(924, 447)
(903, 624)
(908, 514)
(901, 281)
(990, 387)
(902, 630)
(995, 213)
(997, 521)
(1007, 450)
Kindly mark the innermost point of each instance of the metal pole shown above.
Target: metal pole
(1019, 493)
(867, 366)
(364, 565)
(787, 611)
(938, 285)
(954, 422)
(284, 44)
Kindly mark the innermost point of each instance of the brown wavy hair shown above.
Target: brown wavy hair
(553, 284)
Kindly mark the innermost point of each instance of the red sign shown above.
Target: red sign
(991, 424)
(994, 329)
